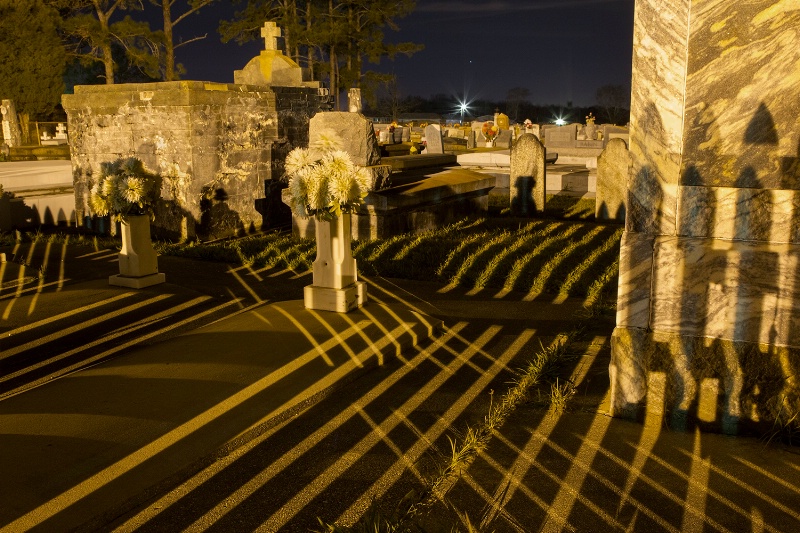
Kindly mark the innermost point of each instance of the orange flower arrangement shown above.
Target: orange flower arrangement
(490, 130)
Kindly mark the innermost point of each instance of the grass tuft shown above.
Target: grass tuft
(785, 428)
(560, 395)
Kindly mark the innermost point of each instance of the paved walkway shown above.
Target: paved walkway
(216, 402)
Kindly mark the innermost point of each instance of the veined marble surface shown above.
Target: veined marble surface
(741, 291)
(710, 260)
(742, 126)
(635, 280)
(657, 104)
(767, 215)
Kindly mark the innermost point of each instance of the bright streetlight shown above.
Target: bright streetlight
(463, 107)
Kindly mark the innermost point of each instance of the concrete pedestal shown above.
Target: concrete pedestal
(335, 280)
(341, 300)
(138, 262)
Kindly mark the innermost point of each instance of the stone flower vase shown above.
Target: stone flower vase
(138, 262)
(335, 285)
(591, 131)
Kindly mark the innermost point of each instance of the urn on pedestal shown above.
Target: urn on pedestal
(326, 184)
(335, 285)
(591, 128)
(128, 192)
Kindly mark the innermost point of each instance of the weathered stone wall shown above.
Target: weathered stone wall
(709, 296)
(215, 144)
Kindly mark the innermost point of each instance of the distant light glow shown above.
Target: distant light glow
(560, 121)
(463, 108)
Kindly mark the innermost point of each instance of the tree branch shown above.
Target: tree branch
(190, 41)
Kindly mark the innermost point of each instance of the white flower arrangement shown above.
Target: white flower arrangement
(323, 180)
(125, 188)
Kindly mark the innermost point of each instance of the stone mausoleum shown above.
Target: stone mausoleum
(708, 315)
(220, 147)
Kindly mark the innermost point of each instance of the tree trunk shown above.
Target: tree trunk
(309, 48)
(105, 47)
(108, 62)
(334, 78)
(169, 46)
(24, 128)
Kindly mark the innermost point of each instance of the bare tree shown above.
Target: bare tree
(171, 70)
(615, 102)
(515, 97)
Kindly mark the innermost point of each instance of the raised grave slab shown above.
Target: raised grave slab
(498, 158)
(43, 194)
(432, 202)
(409, 162)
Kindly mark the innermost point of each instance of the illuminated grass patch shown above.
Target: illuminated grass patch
(542, 256)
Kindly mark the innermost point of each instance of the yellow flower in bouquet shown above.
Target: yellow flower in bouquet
(323, 180)
(125, 187)
(490, 130)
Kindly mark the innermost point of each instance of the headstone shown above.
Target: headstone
(585, 143)
(561, 136)
(501, 119)
(354, 100)
(355, 131)
(476, 129)
(527, 179)
(12, 136)
(433, 139)
(709, 284)
(612, 181)
(535, 129)
(504, 139)
(471, 140)
(405, 134)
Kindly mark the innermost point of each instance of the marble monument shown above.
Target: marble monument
(709, 289)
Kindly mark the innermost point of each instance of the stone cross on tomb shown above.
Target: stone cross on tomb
(270, 32)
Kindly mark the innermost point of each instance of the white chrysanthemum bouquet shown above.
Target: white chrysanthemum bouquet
(125, 188)
(323, 180)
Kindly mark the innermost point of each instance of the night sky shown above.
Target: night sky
(560, 50)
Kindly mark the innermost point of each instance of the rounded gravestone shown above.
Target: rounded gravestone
(527, 176)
